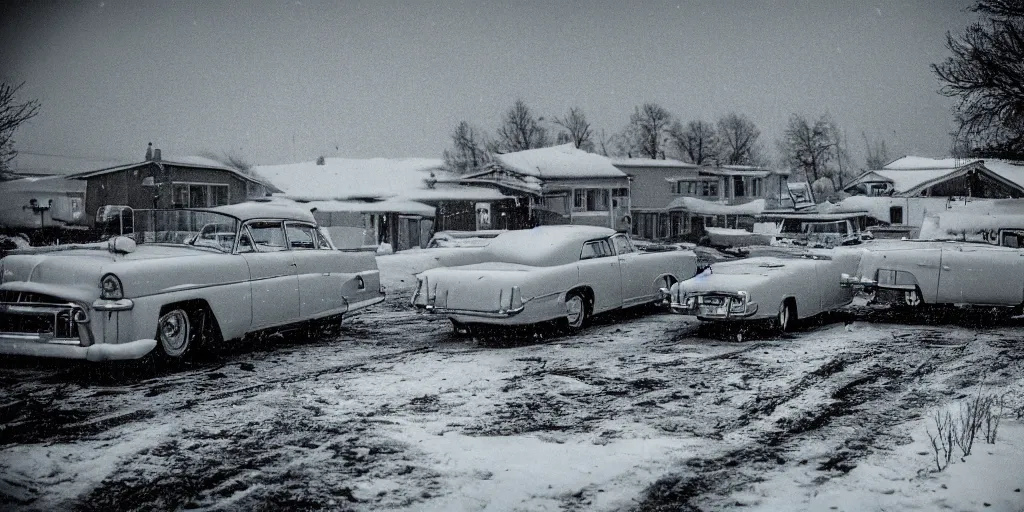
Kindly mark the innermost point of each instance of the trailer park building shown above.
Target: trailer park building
(909, 189)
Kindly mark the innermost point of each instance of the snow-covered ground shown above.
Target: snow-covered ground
(639, 412)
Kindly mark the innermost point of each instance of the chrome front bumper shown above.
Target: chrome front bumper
(63, 330)
(700, 306)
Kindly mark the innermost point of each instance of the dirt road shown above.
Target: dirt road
(391, 411)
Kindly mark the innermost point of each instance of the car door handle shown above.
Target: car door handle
(945, 267)
(293, 264)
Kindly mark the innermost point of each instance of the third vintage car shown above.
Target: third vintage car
(182, 277)
(923, 272)
(551, 273)
(781, 288)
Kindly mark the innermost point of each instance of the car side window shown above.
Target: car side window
(321, 240)
(268, 236)
(245, 242)
(300, 236)
(622, 244)
(595, 249)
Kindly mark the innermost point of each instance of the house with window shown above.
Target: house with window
(181, 182)
(559, 185)
(674, 200)
(903, 192)
(365, 203)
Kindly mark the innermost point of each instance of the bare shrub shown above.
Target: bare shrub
(943, 439)
(993, 414)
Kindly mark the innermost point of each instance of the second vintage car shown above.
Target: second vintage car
(560, 273)
(181, 278)
(782, 288)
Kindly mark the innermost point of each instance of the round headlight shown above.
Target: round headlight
(110, 288)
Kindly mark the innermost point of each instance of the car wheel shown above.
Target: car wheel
(786, 317)
(576, 311)
(174, 333)
(663, 301)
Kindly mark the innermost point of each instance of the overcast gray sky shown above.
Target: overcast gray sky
(281, 82)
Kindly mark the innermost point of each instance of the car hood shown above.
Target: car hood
(75, 272)
(722, 283)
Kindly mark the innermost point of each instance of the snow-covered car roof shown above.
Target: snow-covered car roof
(544, 246)
(261, 210)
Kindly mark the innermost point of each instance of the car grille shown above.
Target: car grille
(39, 316)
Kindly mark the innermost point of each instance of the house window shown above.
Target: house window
(896, 215)
(199, 195)
(709, 189)
(738, 186)
(590, 200)
(756, 187)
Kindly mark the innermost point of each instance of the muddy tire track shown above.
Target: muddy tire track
(871, 393)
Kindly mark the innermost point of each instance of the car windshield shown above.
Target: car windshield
(185, 227)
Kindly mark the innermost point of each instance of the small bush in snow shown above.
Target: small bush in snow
(943, 439)
(980, 415)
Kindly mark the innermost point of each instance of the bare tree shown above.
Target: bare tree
(230, 159)
(696, 143)
(738, 136)
(468, 150)
(577, 129)
(877, 153)
(12, 115)
(807, 147)
(986, 74)
(604, 141)
(645, 135)
(519, 130)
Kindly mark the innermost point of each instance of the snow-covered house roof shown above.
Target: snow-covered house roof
(910, 175)
(388, 205)
(559, 162)
(700, 206)
(196, 162)
(414, 179)
(653, 162)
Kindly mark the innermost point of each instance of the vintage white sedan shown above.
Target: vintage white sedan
(782, 288)
(183, 277)
(551, 273)
(924, 272)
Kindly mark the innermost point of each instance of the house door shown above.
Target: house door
(483, 216)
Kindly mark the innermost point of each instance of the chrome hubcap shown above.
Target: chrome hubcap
(174, 331)
(783, 317)
(911, 297)
(574, 310)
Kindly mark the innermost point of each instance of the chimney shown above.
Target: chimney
(156, 155)
(149, 152)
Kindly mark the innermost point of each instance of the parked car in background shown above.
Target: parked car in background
(463, 238)
(551, 273)
(944, 272)
(782, 288)
(181, 278)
